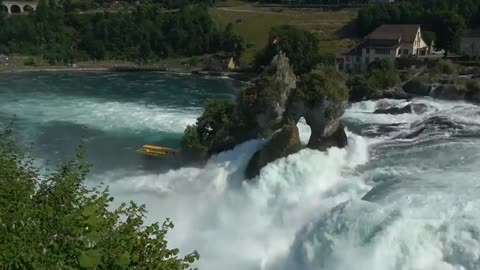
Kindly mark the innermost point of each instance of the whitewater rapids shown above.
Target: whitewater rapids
(385, 202)
(404, 194)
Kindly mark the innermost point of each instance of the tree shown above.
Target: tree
(144, 33)
(319, 85)
(301, 47)
(449, 28)
(382, 74)
(216, 122)
(217, 115)
(56, 222)
(2, 15)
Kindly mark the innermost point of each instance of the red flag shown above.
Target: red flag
(276, 41)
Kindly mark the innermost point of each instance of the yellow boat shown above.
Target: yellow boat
(157, 151)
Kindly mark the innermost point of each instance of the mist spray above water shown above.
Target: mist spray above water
(369, 206)
(390, 200)
(240, 225)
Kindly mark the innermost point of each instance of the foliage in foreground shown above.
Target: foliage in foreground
(56, 222)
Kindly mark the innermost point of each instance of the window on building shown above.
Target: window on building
(382, 51)
(368, 51)
(348, 58)
(367, 60)
(405, 52)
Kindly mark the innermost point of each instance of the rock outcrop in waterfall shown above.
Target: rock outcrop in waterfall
(271, 109)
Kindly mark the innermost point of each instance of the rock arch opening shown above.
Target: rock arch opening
(15, 9)
(304, 130)
(4, 9)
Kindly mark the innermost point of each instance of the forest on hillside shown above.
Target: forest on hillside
(311, 2)
(167, 4)
(147, 32)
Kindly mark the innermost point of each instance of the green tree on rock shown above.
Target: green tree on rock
(300, 46)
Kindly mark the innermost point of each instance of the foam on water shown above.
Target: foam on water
(306, 211)
(247, 225)
(424, 214)
(101, 114)
(382, 203)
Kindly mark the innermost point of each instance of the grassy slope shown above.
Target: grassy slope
(254, 24)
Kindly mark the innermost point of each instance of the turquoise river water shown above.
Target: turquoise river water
(404, 194)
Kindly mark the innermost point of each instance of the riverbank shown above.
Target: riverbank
(241, 76)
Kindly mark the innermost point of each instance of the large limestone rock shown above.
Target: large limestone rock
(417, 88)
(395, 110)
(417, 108)
(321, 98)
(324, 121)
(448, 92)
(264, 103)
(271, 109)
(392, 93)
(284, 142)
(259, 109)
(333, 136)
(473, 91)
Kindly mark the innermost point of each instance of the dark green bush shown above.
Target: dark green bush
(326, 83)
(57, 222)
(443, 67)
(300, 46)
(382, 74)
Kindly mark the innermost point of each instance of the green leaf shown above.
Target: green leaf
(89, 210)
(123, 260)
(90, 259)
(93, 221)
(93, 236)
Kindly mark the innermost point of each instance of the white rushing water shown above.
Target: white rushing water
(101, 114)
(404, 194)
(387, 201)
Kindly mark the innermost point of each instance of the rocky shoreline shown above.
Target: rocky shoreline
(442, 80)
(240, 76)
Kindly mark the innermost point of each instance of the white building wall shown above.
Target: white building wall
(406, 49)
(369, 55)
(419, 44)
(372, 56)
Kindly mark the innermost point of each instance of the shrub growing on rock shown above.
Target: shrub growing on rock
(443, 67)
(382, 74)
(300, 46)
(215, 119)
(358, 88)
(379, 82)
(473, 91)
(191, 144)
(320, 84)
